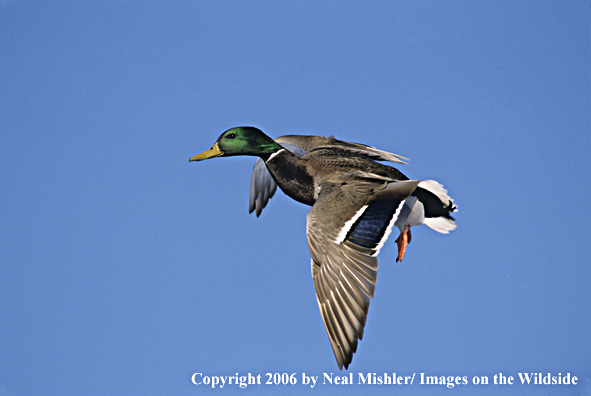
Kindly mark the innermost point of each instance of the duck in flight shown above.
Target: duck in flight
(355, 202)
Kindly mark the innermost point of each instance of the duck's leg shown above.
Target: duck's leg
(402, 241)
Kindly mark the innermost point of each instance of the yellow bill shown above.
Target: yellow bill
(214, 151)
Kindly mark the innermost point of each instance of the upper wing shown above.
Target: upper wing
(346, 229)
(309, 143)
(262, 185)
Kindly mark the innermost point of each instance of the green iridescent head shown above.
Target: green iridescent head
(240, 141)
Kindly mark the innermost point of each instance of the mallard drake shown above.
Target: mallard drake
(355, 203)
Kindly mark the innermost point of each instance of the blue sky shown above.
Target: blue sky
(125, 268)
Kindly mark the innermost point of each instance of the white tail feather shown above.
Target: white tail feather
(440, 224)
(437, 189)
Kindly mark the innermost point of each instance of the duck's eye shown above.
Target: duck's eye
(231, 136)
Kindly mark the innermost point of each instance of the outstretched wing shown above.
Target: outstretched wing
(346, 229)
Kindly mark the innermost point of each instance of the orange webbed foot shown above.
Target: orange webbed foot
(402, 241)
